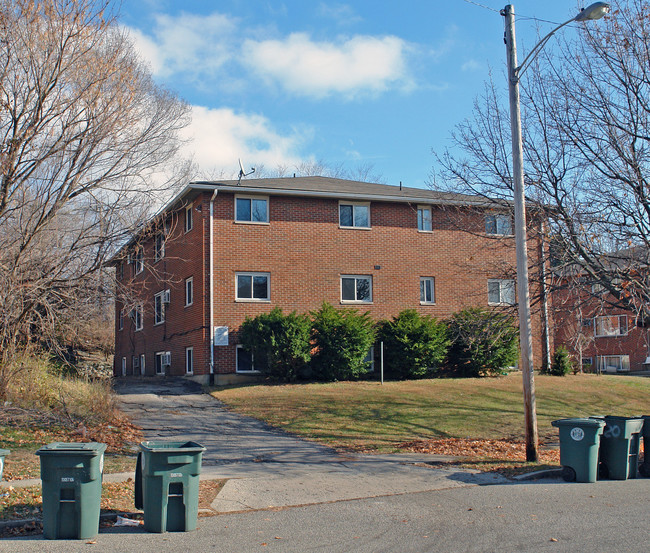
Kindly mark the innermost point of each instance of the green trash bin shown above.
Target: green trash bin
(72, 489)
(167, 485)
(619, 447)
(3, 454)
(579, 442)
(644, 468)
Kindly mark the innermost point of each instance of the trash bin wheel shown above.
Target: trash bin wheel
(568, 474)
(644, 471)
(603, 471)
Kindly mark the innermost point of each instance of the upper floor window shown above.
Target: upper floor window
(159, 247)
(427, 290)
(136, 315)
(189, 222)
(189, 291)
(356, 289)
(354, 215)
(159, 301)
(612, 325)
(120, 324)
(251, 209)
(499, 225)
(424, 219)
(253, 287)
(139, 260)
(501, 292)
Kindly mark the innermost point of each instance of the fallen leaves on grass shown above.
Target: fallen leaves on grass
(505, 450)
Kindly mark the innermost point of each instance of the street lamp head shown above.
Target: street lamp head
(595, 11)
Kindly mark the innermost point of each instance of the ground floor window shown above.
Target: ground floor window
(245, 361)
(163, 361)
(189, 360)
(613, 363)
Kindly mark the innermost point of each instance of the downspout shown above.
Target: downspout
(211, 284)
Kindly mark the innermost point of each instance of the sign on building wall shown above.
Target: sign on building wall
(220, 335)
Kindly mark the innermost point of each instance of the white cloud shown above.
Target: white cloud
(362, 64)
(343, 14)
(187, 43)
(471, 65)
(219, 137)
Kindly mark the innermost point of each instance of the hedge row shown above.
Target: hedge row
(332, 344)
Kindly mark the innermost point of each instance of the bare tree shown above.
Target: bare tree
(586, 119)
(86, 145)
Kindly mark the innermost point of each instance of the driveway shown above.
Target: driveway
(267, 467)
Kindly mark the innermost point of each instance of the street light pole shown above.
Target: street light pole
(595, 11)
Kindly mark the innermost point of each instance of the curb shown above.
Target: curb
(548, 473)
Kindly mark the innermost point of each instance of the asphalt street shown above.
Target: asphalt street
(605, 517)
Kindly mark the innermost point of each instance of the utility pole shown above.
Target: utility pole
(523, 296)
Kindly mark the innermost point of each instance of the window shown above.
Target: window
(427, 290)
(136, 315)
(123, 366)
(189, 360)
(501, 292)
(189, 222)
(120, 321)
(159, 301)
(139, 260)
(614, 363)
(250, 209)
(163, 361)
(499, 225)
(159, 248)
(356, 289)
(135, 363)
(424, 219)
(253, 287)
(244, 361)
(613, 325)
(189, 291)
(369, 360)
(354, 215)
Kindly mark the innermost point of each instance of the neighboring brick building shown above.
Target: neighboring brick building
(602, 337)
(294, 243)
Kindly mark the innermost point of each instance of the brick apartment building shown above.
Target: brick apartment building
(221, 251)
(602, 337)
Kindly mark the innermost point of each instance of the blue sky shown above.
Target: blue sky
(352, 84)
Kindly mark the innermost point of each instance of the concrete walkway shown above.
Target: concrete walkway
(267, 467)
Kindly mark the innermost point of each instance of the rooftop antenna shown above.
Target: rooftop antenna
(243, 173)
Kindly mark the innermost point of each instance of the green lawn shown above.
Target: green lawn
(369, 415)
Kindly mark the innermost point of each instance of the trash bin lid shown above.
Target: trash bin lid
(68, 448)
(579, 422)
(155, 446)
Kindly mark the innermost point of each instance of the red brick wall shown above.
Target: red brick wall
(306, 252)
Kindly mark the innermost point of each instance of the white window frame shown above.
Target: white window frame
(617, 331)
(189, 218)
(423, 281)
(159, 314)
(189, 360)
(159, 246)
(138, 317)
(354, 205)
(357, 278)
(252, 198)
(504, 283)
(623, 363)
(189, 291)
(138, 260)
(123, 366)
(241, 371)
(499, 220)
(252, 276)
(421, 210)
